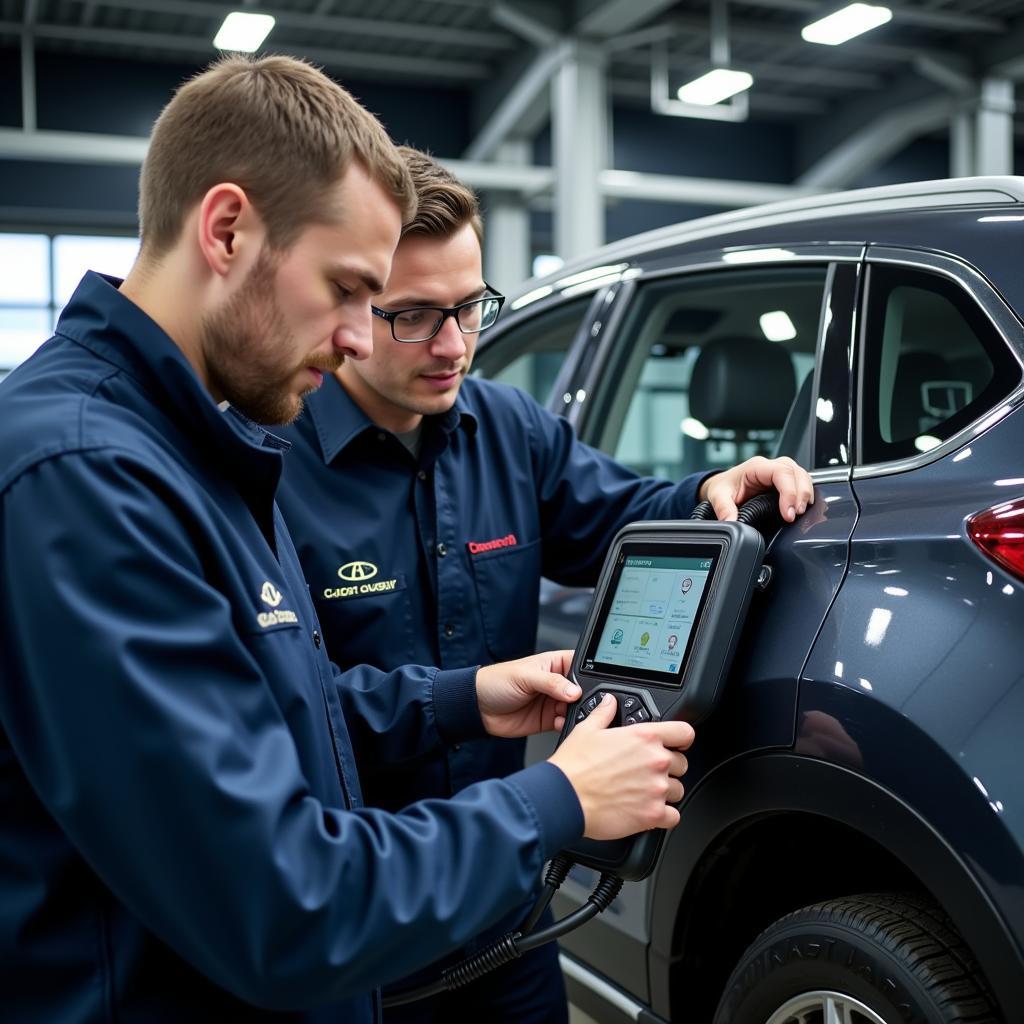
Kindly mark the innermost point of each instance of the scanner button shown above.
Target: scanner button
(628, 704)
(641, 715)
(592, 703)
(630, 720)
(581, 714)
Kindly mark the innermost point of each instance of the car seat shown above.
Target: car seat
(741, 384)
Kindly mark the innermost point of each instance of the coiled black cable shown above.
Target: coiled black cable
(556, 874)
(512, 946)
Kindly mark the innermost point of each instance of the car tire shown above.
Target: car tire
(893, 958)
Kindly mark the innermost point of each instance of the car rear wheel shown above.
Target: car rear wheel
(880, 958)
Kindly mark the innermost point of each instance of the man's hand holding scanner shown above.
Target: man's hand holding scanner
(520, 698)
(625, 778)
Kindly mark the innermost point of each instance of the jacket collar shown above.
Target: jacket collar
(111, 326)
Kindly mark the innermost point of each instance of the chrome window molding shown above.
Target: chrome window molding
(1005, 323)
(726, 258)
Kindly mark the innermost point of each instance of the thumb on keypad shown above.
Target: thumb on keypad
(602, 716)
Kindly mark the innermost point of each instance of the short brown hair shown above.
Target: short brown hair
(277, 127)
(444, 204)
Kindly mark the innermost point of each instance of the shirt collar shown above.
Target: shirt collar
(338, 420)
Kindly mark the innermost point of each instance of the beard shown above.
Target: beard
(247, 345)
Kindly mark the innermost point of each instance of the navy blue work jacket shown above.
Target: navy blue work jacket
(438, 560)
(182, 836)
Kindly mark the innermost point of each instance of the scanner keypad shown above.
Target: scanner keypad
(630, 709)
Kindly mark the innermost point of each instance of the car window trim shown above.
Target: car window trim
(582, 336)
(1004, 321)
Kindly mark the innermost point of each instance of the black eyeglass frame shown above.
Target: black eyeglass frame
(445, 311)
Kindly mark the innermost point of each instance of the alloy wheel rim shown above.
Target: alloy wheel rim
(821, 1007)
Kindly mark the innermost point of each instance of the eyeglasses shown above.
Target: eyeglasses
(421, 323)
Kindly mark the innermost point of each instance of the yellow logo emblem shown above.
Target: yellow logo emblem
(270, 594)
(354, 571)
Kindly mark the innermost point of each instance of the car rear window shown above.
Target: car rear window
(932, 363)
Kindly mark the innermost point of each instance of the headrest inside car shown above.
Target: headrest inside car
(742, 383)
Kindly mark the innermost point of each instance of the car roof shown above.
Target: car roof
(918, 195)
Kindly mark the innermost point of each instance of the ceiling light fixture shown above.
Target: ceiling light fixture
(846, 24)
(715, 86)
(242, 32)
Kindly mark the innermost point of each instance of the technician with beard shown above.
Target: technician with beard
(182, 834)
(468, 492)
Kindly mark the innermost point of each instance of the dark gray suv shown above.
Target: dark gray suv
(852, 840)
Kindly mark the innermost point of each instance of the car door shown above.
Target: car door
(706, 369)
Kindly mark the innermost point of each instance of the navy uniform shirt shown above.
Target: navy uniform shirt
(182, 834)
(438, 560)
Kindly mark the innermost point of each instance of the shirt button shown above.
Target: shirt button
(449, 629)
(422, 474)
(381, 436)
(442, 550)
(316, 639)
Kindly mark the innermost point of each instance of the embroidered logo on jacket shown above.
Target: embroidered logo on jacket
(479, 547)
(357, 575)
(355, 571)
(270, 595)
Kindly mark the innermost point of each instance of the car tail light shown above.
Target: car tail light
(999, 532)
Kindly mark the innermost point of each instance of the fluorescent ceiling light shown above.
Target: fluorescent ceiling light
(845, 24)
(714, 87)
(777, 326)
(243, 33)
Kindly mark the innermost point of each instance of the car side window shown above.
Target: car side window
(530, 355)
(931, 363)
(708, 367)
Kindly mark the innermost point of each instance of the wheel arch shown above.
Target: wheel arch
(712, 867)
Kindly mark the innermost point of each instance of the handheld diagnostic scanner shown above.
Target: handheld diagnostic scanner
(660, 635)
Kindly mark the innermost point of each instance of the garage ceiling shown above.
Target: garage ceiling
(469, 42)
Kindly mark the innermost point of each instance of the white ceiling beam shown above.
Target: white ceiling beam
(669, 188)
(952, 20)
(93, 148)
(749, 31)
(876, 142)
(527, 102)
(607, 18)
(339, 60)
(523, 25)
(71, 147)
(949, 76)
(363, 27)
(797, 74)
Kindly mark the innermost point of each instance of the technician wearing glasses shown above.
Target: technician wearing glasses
(426, 506)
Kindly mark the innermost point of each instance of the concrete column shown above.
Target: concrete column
(961, 146)
(994, 127)
(579, 121)
(507, 225)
